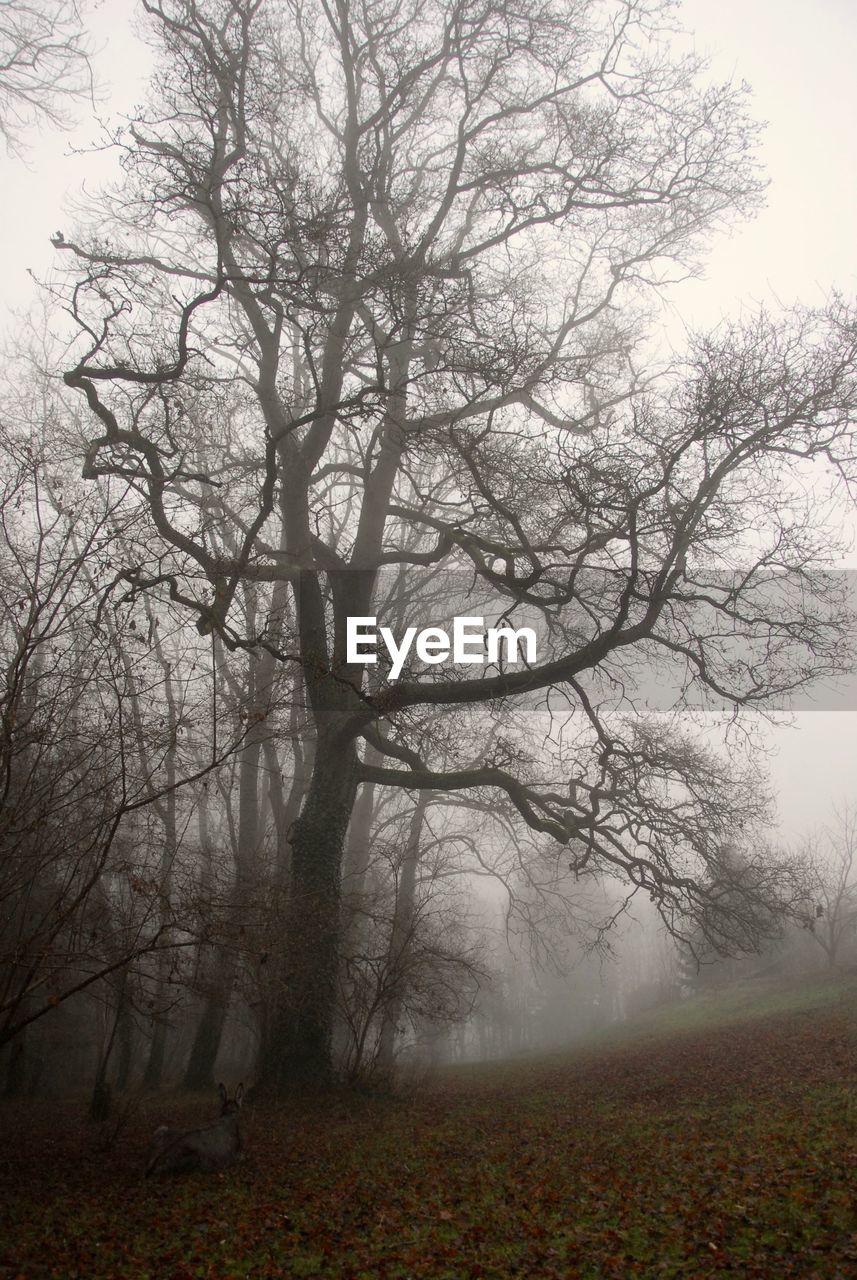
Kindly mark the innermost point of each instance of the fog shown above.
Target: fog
(410, 315)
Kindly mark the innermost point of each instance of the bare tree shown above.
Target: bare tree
(831, 862)
(396, 259)
(44, 65)
(417, 960)
(84, 895)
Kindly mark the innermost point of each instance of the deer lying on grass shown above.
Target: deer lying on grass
(212, 1146)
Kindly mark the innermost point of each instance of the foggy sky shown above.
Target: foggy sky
(798, 58)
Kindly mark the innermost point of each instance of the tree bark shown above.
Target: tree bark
(199, 1073)
(125, 1046)
(298, 1053)
(99, 1105)
(400, 936)
(154, 1073)
(13, 1085)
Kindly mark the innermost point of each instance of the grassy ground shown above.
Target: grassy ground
(714, 1139)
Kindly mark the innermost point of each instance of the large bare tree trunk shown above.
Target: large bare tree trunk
(299, 1048)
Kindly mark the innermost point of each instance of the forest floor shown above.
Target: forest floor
(718, 1138)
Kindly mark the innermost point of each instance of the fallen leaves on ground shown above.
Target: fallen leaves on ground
(726, 1152)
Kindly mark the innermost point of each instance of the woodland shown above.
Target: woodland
(369, 324)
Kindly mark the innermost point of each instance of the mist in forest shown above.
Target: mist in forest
(428, 463)
(354, 325)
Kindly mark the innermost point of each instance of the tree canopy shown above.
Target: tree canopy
(373, 301)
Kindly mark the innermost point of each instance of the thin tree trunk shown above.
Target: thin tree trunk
(99, 1105)
(199, 1073)
(400, 936)
(125, 1046)
(355, 865)
(16, 1066)
(154, 1073)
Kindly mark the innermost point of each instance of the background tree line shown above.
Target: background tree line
(366, 328)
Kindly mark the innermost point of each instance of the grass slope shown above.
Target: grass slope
(713, 1139)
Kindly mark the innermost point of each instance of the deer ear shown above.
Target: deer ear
(239, 1094)
(223, 1094)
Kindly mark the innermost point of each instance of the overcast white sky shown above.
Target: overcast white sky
(798, 56)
